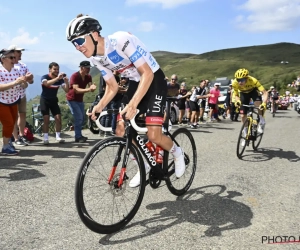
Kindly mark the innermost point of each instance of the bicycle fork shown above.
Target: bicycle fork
(123, 169)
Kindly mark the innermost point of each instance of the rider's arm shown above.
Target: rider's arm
(111, 88)
(145, 82)
(235, 90)
(137, 54)
(261, 89)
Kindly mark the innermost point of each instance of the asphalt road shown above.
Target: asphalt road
(231, 204)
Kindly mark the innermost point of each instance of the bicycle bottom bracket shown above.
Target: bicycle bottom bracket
(153, 180)
(114, 187)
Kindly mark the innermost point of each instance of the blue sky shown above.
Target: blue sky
(183, 26)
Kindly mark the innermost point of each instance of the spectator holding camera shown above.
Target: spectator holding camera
(49, 101)
(79, 81)
(12, 83)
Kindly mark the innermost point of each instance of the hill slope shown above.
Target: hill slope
(263, 62)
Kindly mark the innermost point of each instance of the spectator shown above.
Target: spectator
(213, 100)
(173, 86)
(18, 133)
(49, 101)
(228, 100)
(10, 94)
(183, 94)
(78, 87)
(201, 97)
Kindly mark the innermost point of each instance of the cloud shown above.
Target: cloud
(269, 15)
(24, 38)
(123, 19)
(150, 26)
(166, 4)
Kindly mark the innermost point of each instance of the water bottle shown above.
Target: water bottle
(159, 154)
(151, 148)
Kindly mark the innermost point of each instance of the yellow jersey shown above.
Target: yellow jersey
(251, 84)
(233, 95)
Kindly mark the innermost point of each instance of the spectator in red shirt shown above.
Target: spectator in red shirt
(78, 86)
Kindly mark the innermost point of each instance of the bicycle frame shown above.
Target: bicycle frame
(132, 136)
(251, 120)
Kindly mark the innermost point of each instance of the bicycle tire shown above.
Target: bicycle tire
(173, 182)
(110, 193)
(238, 152)
(256, 143)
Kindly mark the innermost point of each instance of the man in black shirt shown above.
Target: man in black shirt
(49, 101)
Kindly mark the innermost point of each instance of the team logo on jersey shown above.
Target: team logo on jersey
(141, 50)
(125, 45)
(115, 57)
(135, 56)
(113, 41)
(103, 73)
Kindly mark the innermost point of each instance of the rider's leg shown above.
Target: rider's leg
(155, 135)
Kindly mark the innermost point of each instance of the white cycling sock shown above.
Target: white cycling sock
(57, 134)
(262, 119)
(175, 151)
(46, 138)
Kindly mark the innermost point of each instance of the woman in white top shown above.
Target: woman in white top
(11, 82)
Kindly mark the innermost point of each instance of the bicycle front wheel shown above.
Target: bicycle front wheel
(104, 200)
(257, 142)
(242, 141)
(179, 186)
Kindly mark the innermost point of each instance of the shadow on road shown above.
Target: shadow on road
(283, 116)
(207, 205)
(266, 154)
(23, 168)
(49, 151)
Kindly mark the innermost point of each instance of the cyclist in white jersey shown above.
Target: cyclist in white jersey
(147, 90)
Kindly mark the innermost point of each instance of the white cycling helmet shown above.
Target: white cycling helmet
(82, 25)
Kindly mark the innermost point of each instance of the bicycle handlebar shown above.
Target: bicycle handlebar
(132, 121)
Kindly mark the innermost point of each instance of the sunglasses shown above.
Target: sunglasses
(241, 80)
(79, 41)
(10, 57)
(174, 79)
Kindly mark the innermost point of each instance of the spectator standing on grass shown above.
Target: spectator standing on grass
(80, 83)
(12, 82)
(49, 101)
(18, 132)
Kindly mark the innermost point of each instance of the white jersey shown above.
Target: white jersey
(22, 68)
(12, 95)
(124, 52)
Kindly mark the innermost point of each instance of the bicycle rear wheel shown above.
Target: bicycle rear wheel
(106, 206)
(242, 141)
(179, 186)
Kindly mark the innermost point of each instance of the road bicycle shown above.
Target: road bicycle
(104, 200)
(252, 135)
(274, 107)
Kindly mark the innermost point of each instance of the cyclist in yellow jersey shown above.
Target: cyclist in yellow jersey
(249, 87)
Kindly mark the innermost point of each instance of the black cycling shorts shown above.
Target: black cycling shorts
(154, 101)
(245, 99)
(49, 104)
(194, 106)
(181, 104)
